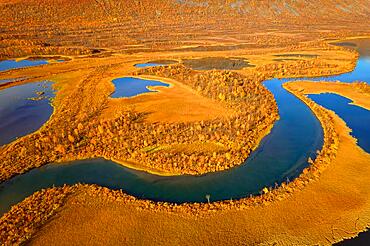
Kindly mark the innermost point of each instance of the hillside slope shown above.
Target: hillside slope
(146, 24)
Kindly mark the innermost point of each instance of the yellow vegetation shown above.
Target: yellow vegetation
(292, 213)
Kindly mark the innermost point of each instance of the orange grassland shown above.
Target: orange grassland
(102, 40)
(334, 207)
(325, 210)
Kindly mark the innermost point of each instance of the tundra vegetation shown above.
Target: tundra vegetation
(33, 212)
(101, 40)
(188, 147)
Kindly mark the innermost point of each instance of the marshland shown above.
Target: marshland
(172, 122)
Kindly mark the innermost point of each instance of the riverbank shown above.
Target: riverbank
(340, 190)
(99, 81)
(174, 104)
(143, 123)
(359, 93)
(100, 124)
(26, 112)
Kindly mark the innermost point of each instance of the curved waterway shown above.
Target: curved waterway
(281, 155)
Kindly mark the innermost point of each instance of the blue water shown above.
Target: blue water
(281, 155)
(360, 73)
(12, 64)
(149, 64)
(129, 87)
(356, 118)
(362, 239)
(20, 116)
(155, 63)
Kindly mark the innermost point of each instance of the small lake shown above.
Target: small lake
(23, 111)
(218, 63)
(298, 55)
(356, 118)
(155, 63)
(13, 64)
(129, 86)
(149, 64)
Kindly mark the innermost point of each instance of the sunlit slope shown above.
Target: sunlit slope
(137, 26)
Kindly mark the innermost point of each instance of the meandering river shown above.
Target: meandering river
(281, 155)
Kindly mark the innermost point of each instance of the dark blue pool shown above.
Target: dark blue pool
(356, 118)
(13, 64)
(129, 86)
(23, 111)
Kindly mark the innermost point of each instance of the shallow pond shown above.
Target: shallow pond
(23, 111)
(219, 63)
(148, 64)
(298, 55)
(155, 63)
(13, 64)
(129, 86)
(356, 118)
